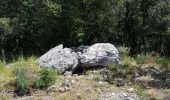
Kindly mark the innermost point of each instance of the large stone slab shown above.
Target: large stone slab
(100, 54)
(63, 59)
(68, 59)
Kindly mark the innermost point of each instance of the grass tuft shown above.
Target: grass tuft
(46, 78)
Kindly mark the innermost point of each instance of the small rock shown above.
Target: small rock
(51, 89)
(130, 90)
(104, 74)
(68, 73)
(73, 81)
(67, 85)
(78, 96)
(75, 75)
(120, 81)
(118, 96)
(125, 95)
(135, 74)
(62, 89)
(98, 90)
(90, 77)
(101, 83)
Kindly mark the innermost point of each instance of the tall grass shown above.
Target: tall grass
(22, 74)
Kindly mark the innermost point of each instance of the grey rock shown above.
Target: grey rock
(75, 75)
(104, 74)
(63, 59)
(119, 95)
(67, 85)
(90, 77)
(68, 73)
(78, 96)
(52, 89)
(120, 81)
(131, 90)
(100, 54)
(68, 59)
(62, 89)
(80, 49)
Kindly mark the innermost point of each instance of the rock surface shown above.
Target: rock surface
(119, 96)
(100, 54)
(68, 59)
(60, 58)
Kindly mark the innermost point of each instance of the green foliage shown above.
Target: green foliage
(141, 58)
(124, 51)
(141, 90)
(164, 63)
(5, 27)
(32, 26)
(21, 82)
(45, 79)
(2, 65)
(113, 68)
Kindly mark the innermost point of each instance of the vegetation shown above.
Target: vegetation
(131, 65)
(139, 28)
(24, 76)
(45, 79)
(33, 27)
(21, 82)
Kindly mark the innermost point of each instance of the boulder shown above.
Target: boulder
(63, 59)
(100, 54)
(68, 59)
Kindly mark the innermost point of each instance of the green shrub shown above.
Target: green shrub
(2, 65)
(124, 51)
(113, 68)
(141, 90)
(5, 26)
(21, 82)
(164, 63)
(140, 58)
(45, 79)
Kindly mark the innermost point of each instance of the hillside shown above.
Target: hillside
(144, 77)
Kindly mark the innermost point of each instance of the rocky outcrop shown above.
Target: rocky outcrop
(62, 59)
(68, 59)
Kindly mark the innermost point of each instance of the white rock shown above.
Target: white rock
(131, 90)
(63, 59)
(62, 89)
(68, 59)
(100, 54)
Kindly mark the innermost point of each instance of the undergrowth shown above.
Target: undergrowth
(24, 76)
(132, 64)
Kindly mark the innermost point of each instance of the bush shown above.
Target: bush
(2, 65)
(21, 82)
(24, 70)
(46, 78)
(29, 76)
(140, 90)
(124, 51)
(164, 63)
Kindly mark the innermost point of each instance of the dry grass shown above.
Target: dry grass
(7, 71)
(6, 76)
(83, 88)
